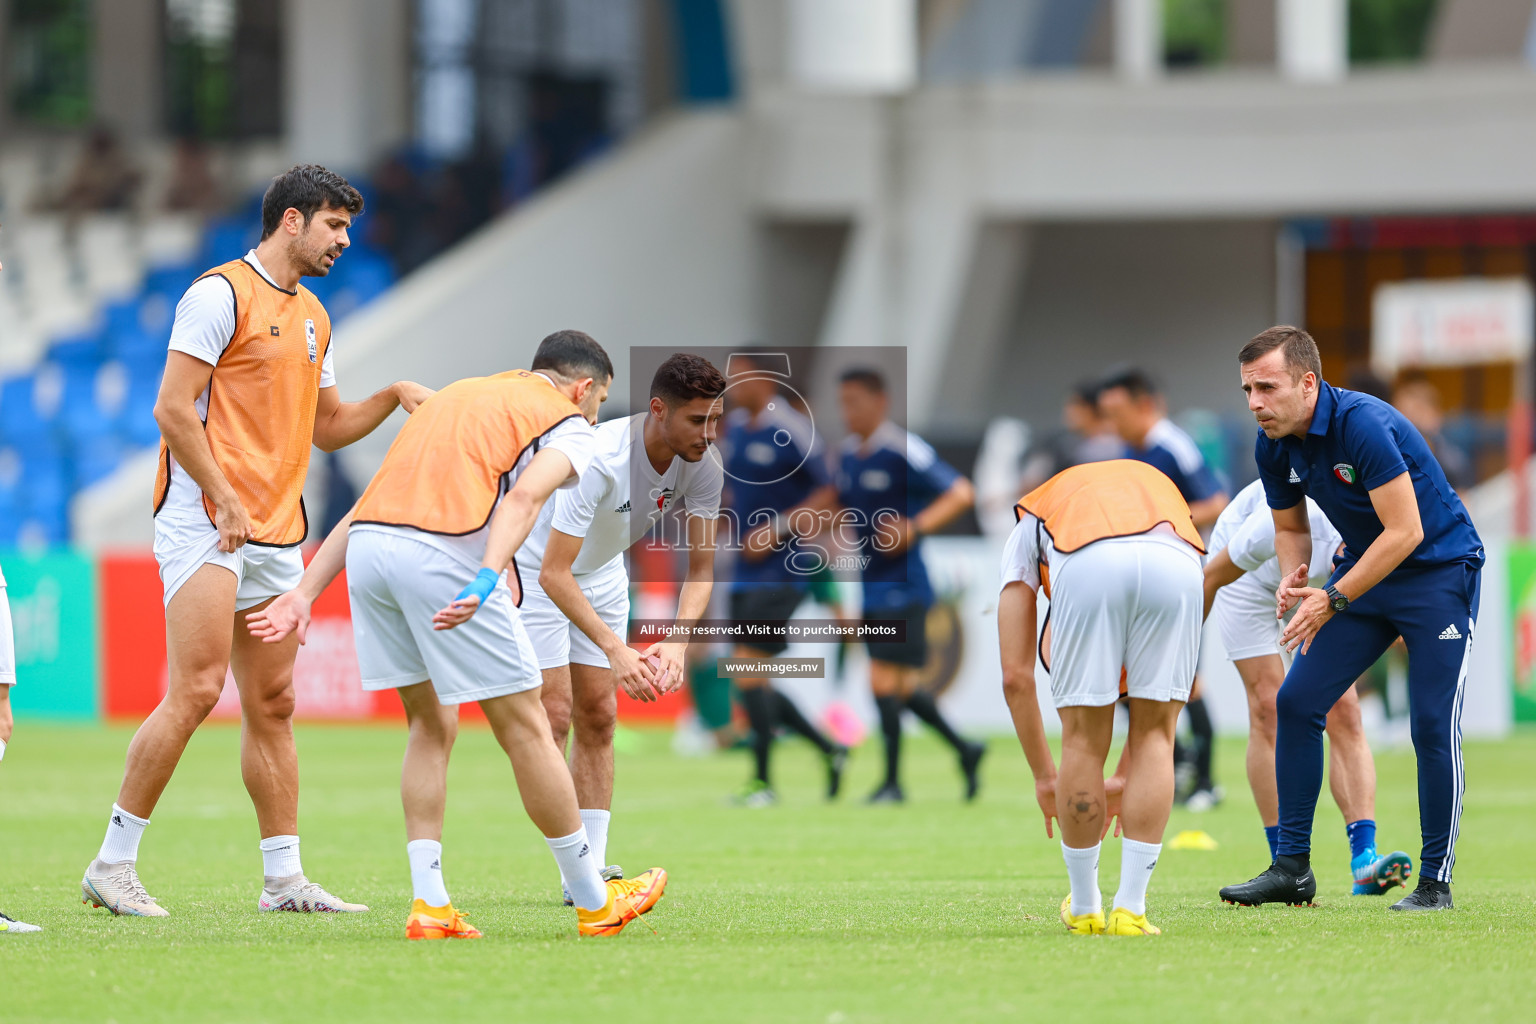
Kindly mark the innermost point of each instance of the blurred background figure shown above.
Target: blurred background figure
(1417, 398)
(1130, 401)
(1085, 436)
(193, 185)
(104, 178)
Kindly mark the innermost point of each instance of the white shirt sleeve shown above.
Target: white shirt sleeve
(577, 507)
(328, 366)
(575, 438)
(705, 482)
(205, 320)
(1022, 553)
(1253, 543)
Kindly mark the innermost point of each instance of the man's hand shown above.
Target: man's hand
(1114, 788)
(1314, 612)
(462, 608)
(410, 394)
(1045, 796)
(233, 524)
(669, 677)
(634, 674)
(1292, 583)
(906, 530)
(288, 613)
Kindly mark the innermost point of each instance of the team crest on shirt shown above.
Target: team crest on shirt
(662, 499)
(1345, 472)
(309, 339)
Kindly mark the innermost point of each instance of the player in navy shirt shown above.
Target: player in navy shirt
(774, 469)
(1131, 401)
(899, 489)
(1411, 566)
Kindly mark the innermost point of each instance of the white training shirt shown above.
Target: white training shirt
(574, 437)
(618, 503)
(1021, 555)
(204, 326)
(1246, 529)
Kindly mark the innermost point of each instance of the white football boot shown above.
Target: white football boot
(299, 895)
(117, 887)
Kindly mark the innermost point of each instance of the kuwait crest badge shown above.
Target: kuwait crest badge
(1344, 471)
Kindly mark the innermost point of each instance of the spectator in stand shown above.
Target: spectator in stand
(193, 185)
(105, 177)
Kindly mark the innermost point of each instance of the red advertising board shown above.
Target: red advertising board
(326, 683)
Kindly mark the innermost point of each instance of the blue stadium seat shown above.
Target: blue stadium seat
(20, 423)
(96, 458)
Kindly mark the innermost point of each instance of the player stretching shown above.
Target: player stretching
(902, 491)
(577, 613)
(1411, 567)
(1132, 402)
(1241, 578)
(248, 389)
(454, 498)
(778, 484)
(1111, 544)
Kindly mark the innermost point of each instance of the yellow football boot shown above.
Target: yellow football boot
(1081, 924)
(642, 891)
(438, 923)
(610, 920)
(1123, 922)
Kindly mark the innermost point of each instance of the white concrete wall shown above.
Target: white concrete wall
(652, 247)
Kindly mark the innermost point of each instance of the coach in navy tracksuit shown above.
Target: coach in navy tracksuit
(1411, 566)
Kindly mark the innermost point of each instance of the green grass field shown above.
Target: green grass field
(807, 911)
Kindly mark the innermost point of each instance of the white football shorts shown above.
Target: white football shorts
(1244, 612)
(559, 641)
(1130, 602)
(185, 545)
(396, 583)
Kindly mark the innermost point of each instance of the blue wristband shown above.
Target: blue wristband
(481, 586)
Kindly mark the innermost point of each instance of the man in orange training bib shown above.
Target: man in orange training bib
(248, 389)
(453, 501)
(1112, 546)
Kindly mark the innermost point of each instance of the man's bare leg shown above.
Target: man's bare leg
(269, 763)
(594, 717)
(548, 793)
(556, 697)
(1262, 677)
(197, 630)
(1351, 768)
(1080, 802)
(197, 644)
(424, 796)
(1144, 809)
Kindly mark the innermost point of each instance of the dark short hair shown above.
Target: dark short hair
(1300, 350)
(1135, 381)
(870, 379)
(306, 188)
(573, 355)
(684, 377)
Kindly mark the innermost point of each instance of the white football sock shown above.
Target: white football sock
(1083, 870)
(124, 831)
(1136, 863)
(579, 869)
(280, 857)
(427, 871)
(2, 750)
(597, 834)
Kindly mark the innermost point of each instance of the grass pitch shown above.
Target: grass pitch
(806, 911)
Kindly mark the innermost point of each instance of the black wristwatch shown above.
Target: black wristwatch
(1337, 601)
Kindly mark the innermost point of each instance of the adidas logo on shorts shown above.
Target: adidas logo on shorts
(1450, 633)
(1294, 478)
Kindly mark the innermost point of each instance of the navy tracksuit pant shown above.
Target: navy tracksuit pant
(1434, 610)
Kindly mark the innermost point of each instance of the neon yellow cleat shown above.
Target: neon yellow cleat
(1123, 922)
(1081, 924)
(642, 891)
(438, 923)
